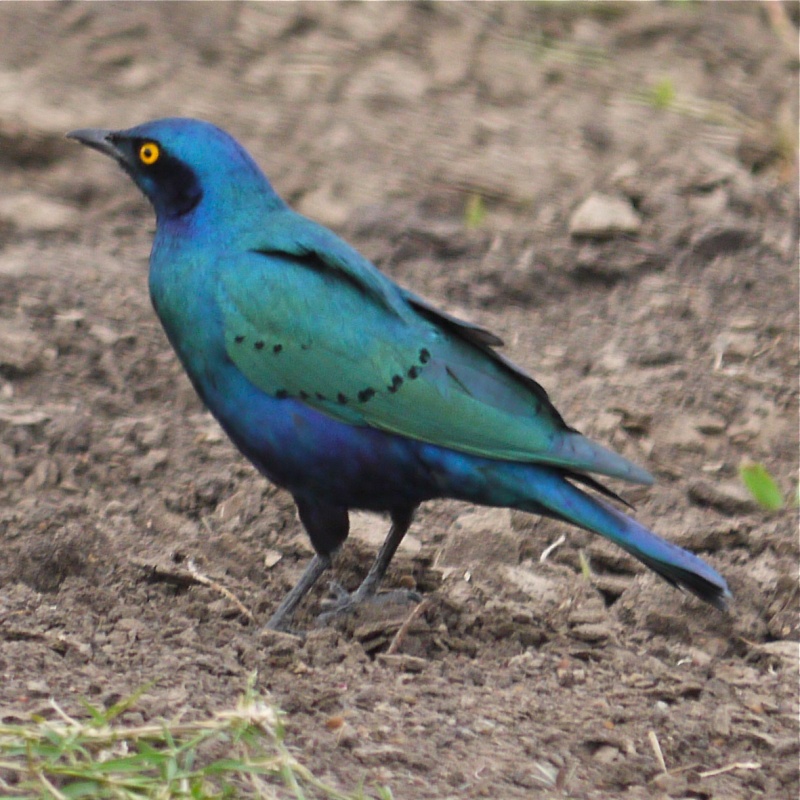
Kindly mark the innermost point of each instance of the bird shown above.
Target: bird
(344, 388)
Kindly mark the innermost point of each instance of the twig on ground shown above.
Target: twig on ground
(729, 768)
(651, 735)
(397, 640)
(188, 575)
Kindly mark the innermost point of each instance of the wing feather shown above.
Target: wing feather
(304, 324)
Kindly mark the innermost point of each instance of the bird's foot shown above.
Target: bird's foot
(344, 603)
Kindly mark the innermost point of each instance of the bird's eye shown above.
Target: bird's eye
(149, 153)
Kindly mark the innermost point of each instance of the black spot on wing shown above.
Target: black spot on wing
(238, 339)
(485, 341)
(366, 394)
(341, 398)
(259, 345)
(277, 348)
(396, 383)
(281, 394)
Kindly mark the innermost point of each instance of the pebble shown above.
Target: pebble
(271, 558)
(718, 240)
(601, 216)
(592, 632)
(403, 662)
(605, 754)
(729, 497)
(721, 721)
(21, 349)
(33, 213)
(38, 688)
(710, 424)
(45, 473)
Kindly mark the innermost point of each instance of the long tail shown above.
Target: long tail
(551, 492)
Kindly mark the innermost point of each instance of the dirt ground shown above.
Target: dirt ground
(453, 144)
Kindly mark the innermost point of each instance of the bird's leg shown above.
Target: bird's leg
(401, 522)
(279, 620)
(327, 527)
(345, 602)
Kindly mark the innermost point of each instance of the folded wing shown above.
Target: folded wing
(307, 317)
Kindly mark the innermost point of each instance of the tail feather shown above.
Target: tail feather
(676, 565)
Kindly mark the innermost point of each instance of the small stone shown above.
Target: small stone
(721, 721)
(605, 754)
(592, 632)
(603, 216)
(403, 662)
(271, 558)
(44, 474)
(716, 241)
(611, 585)
(656, 354)
(37, 688)
(728, 497)
(105, 335)
(710, 424)
(21, 350)
(33, 213)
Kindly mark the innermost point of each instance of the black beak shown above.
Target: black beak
(98, 139)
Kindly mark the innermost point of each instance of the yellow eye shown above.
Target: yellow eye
(149, 153)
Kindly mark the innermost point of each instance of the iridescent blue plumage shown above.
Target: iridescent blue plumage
(339, 385)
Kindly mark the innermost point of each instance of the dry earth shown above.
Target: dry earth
(673, 338)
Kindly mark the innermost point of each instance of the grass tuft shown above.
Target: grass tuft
(100, 757)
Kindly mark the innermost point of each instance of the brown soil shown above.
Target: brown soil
(677, 346)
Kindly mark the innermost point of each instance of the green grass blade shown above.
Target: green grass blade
(762, 486)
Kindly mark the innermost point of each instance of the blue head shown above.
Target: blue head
(185, 164)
